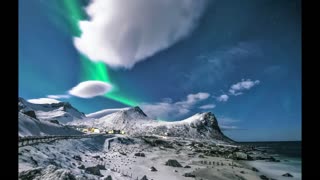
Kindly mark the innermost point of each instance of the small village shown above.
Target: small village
(93, 130)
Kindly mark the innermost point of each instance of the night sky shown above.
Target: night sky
(249, 51)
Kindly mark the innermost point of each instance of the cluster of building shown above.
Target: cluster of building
(94, 130)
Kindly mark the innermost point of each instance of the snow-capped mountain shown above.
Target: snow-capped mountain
(122, 119)
(29, 126)
(62, 111)
(99, 114)
(135, 122)
(132, 120)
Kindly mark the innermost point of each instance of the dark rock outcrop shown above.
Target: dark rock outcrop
(287, 175)
(173, 163)
(81, 167)
(263, 177)
(140, 154)
(153, 169)
(54, 121)
(30, 113)
(108, 178)
(93, 170)
(189, 175)
(78, 158)
(254, 169)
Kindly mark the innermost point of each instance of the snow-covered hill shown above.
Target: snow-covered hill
(132, 120)
(29, 126)
(62, 111)
(135, 122)
(104, 112)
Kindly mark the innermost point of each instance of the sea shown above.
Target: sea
(289, 154)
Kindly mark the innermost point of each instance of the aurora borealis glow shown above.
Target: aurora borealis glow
(233, 41)
(92, 70)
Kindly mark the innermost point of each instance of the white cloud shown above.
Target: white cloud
(223, 98)
(193, 98)
(169, 110)
(89, 89)
(43, 101)
(226, 128)
(226, 123)
(207, 106)
(236, 89)
(124, 32)
(60, 96)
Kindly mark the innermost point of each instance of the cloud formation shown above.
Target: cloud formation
(43, 101)
(223, 98)
(60, 96)
(169, 110)
(207, 106)
(124, 32)
(90, 89)
(226, 123)
(236, 89)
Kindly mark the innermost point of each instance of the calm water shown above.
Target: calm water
(289, 154)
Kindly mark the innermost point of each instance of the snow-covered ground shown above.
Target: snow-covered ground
(73, 157)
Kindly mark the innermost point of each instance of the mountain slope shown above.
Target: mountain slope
(135, 122)
(29, 126)
(100, 114)
(62, 111)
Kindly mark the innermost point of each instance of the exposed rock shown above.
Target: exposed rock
(272, 159)
(54, 121)
(30, 113)
(264, 177)
(287, 175)
(254, 169)
(47, 173)
(201, 156)
(93, 170)
(187, 166)
(101, 167)
(241, 156)
(30, 174)
(144, 178)
(189, 175)
(108, 178)
(173, 163)
(153, 169)
(140, 154)
(97, 157)
(78, 158)
(81, 167)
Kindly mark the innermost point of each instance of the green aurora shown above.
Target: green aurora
(91, 70)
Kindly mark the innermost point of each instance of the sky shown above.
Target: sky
(240, 60)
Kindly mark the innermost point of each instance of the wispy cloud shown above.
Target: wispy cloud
(207, 106)
(223, 98)
(60, 96)
(236, 89)
(226, 123)
(211, 67)
(169, 110)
